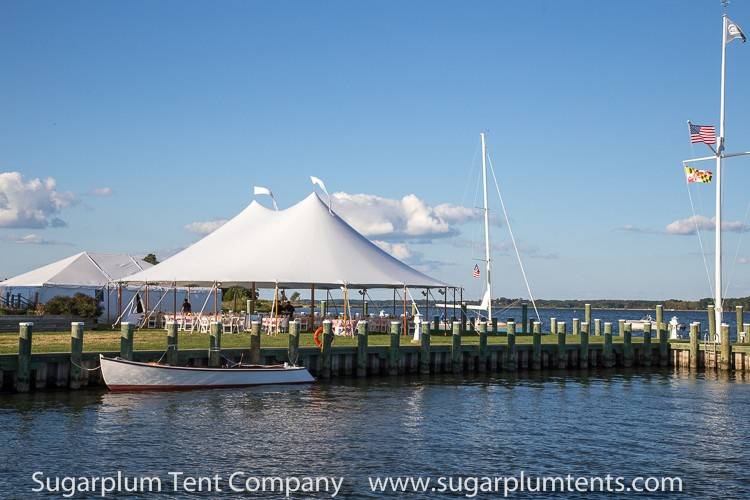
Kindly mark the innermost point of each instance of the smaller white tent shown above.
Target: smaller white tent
(93, 274)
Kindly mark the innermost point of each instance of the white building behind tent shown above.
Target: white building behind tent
(95, 275)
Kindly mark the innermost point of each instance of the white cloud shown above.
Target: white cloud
(398, 250)
(31, 204)
(102, 191)
(205, 227)
(33, 239)
(405, 218)
(688, 226)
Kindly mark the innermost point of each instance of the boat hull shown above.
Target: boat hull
(122, 375)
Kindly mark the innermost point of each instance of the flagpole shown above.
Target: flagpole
(487, 257)
(719, 156)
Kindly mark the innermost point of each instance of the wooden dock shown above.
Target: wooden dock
(600, 350)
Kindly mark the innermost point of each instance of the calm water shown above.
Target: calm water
(624, 424)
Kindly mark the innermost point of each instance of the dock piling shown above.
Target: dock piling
(725, 355)
(214, 346)
(171, 343)
(646, 355)
(608, 352)
(511, 360)
(583, 352)
(362, 349)
(740, 312)
(293, 343)
(126, 340)
(562, 353)
(712, 324)
(23, 371)
(536, 353)
(553, 326)
(694, 330)
(597, 327)
(587, 314)
(393, 354)
(76, 354)
(663, 336)
(325, 349)
(483, 347)
(627, 345)
(255, 342)
(457, 355)
(424, 351)
(524, 317)
(576, 326)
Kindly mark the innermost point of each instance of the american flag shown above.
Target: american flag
(476, 273)
(702, 133)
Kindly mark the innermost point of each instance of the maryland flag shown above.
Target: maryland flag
(695, 175)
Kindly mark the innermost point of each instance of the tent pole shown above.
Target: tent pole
(147, 304)
(108, 317)
(394, 302)
(119, 299)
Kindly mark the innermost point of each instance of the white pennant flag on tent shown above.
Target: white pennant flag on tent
(317, 182)
(260, 190)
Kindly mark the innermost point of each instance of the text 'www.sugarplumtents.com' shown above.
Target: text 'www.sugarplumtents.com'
(522, 484)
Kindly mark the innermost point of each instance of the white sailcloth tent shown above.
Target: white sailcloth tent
(301, 246)
(90, 273)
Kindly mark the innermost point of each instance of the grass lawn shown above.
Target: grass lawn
(154, 340)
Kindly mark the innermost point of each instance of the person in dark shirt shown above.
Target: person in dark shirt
(186, 307)
(289, 310)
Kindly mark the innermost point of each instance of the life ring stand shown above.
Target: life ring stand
(316, 337)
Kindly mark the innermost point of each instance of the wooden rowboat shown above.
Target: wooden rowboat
(123, 375)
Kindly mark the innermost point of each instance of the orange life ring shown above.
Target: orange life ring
(316, 337)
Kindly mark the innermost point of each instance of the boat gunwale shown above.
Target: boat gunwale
(200, 368)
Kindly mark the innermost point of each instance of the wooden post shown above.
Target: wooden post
(457, 355)
(597, 327)
(293, 343)
(251, 308)
(562, 353)
(463, 318)
(711, 324)
(171, 344)
(325, 350)
(511, 363)
(583, 353)
(694, 326)
(663, 345)
(587, 314)
(524, 317)
(746, 331)
(494, 326)
(214, 346)
(255, 342)
(312, 308)
(576, 326)
(436, 324)
(659, 319)
(424, 350)
(126, 341)
(362, 349)
(627, 346)
(608, 353)
(553, 326)
(646, 356)
(740, 312)
(536, 353)
(621, 327)
(725, 355)
(23, 371)
(483, 347)
(393, 354)
(76, 354)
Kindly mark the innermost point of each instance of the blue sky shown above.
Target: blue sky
(179, 108)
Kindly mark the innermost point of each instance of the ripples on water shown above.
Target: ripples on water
(624, 424)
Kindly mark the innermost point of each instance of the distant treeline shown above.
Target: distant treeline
(676, 304)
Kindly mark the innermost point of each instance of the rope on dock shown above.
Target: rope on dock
(83, 367)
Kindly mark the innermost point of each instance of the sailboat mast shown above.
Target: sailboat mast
(488, 261)
(719, 156)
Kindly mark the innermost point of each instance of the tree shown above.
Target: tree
(294, 297)
(151, 259)
(78, 305)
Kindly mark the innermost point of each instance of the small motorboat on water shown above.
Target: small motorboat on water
(638, 324)
(124, 375)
